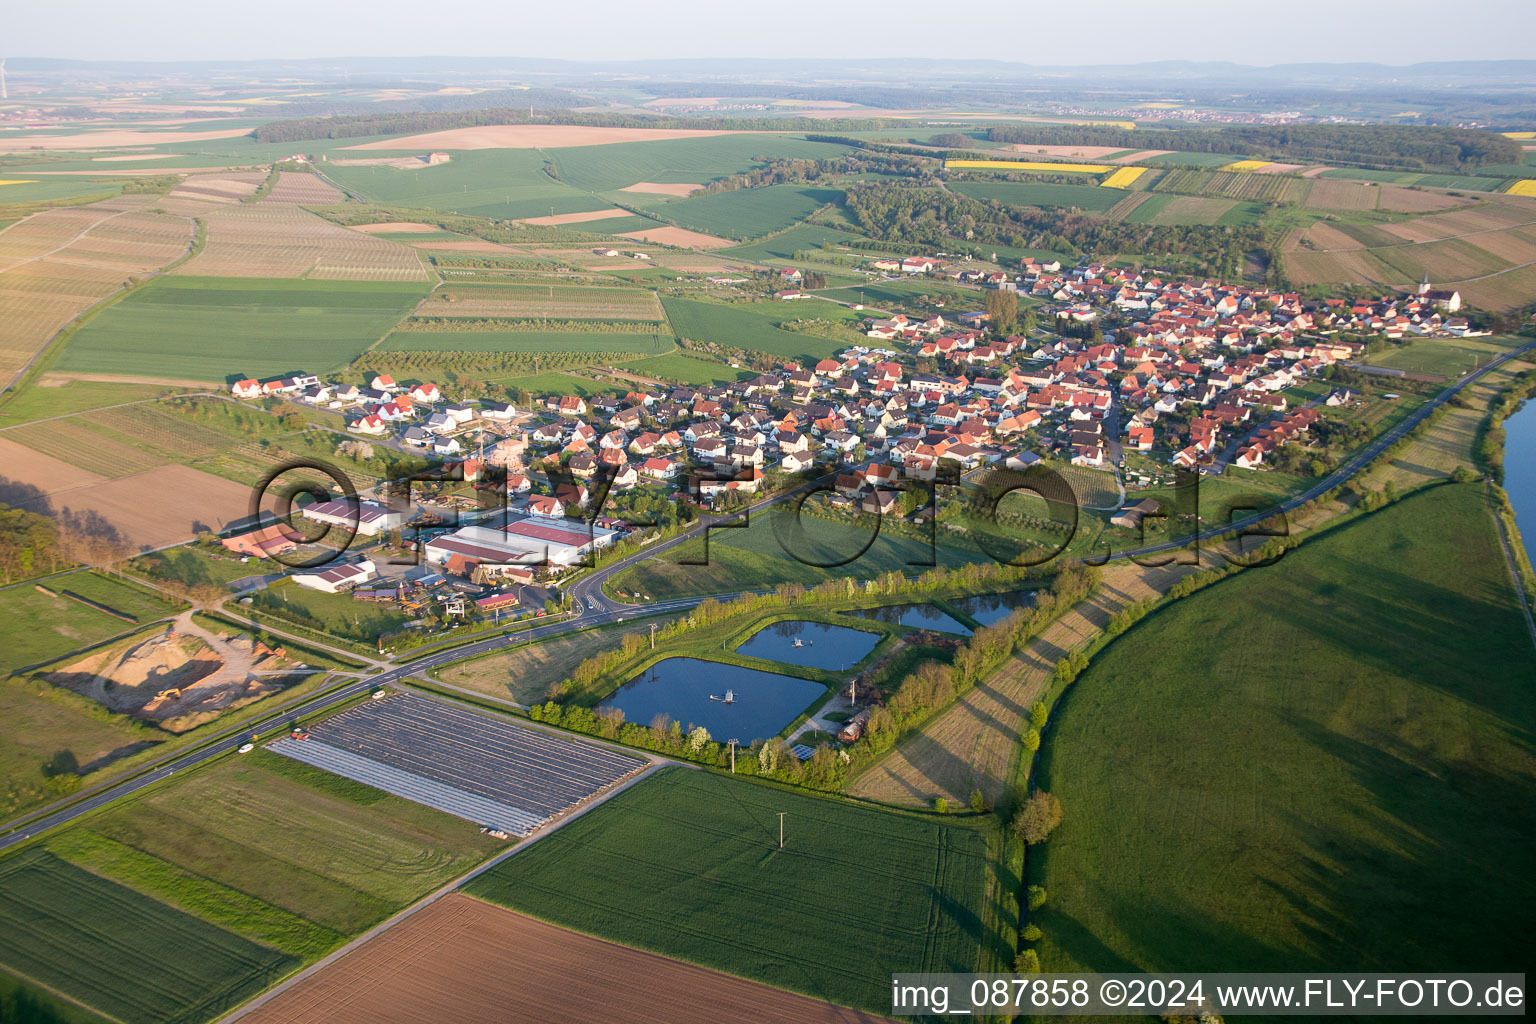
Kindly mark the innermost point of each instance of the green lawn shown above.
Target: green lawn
(687, 864)
(748, 212)
(1032, 193)
(899, 293)
(218, 329)
(684, 368)
(526, 341)
(754, 326)
(121, 952)
(42, 627)
(1321, 765)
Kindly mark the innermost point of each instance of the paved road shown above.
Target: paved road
(597, 609)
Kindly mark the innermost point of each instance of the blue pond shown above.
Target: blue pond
(990, 609)
(681, 689)
(822, 645)
(919, 616)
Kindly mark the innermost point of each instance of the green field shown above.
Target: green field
(786, 244)
(764, 554)
(65, 397)
(336, 614)
(500, 183)
(684, 368)
(217, 329)
(898, 293)
(43, 627)
(122, 952)
(749, 212)
(53, 736)
(677, 161)
(753, 326)
(525, 341)
(686, 864)
(1322, 765)
(1030, 193)
(35, 189)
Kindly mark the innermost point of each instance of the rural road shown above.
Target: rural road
(597, 609)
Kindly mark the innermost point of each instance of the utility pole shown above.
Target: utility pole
(781, 830)
(653, 647)
(733, 743)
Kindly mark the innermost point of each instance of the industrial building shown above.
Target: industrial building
(519, 540)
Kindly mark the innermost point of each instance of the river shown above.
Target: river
(1520, 470)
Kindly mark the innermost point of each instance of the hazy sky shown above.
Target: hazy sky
(1105, 31)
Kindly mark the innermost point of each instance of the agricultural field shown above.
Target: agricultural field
(1165, 208)
(1402, 741)
(747, 213)
(546, 301)
(1246, 186)
(468, 961)
(115, 949)
(46, 626)
(1028, 193)
(20, 187)
(333, 614)
(256, 853)
(57, 264)
(686, 864)
(275, 238)
(784, 245)
(755, 326)
(218, 329)
(59, 395)
(526, 341)
(504, 184)
(609, 168)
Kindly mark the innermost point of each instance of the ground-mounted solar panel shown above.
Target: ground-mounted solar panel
(488, 770)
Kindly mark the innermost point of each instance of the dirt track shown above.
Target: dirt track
(468, 962)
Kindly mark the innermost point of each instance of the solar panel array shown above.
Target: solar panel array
(486, 770)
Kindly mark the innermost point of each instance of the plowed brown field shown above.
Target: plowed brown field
(468, 962)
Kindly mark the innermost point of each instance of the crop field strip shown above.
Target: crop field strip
(534, 775)
(205, 328)
(123, 953)
(555, 302)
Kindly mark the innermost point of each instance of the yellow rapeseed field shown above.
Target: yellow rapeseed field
(1519, 135)
(19, 181)
(1025, 165)
(1247, 165)
(1123, 177)
(1523, 187)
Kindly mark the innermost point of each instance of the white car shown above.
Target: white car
(246, 748)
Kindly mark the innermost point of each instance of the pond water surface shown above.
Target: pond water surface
(681, 688)
(990, 609)
(918, 616)
(822, 645)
